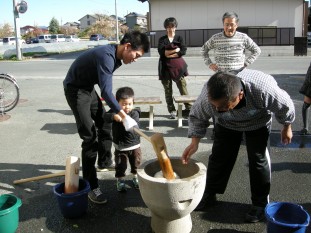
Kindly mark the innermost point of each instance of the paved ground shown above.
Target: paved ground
(41, 133)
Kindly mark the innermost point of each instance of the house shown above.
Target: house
(120, 19)
(27, 29)
(34, 30)
(89, 20)
(268, 22)
(72, 24)
(135, 20)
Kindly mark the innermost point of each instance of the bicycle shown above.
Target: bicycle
(9, 93)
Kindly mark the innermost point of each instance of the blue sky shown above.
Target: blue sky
(40, 12)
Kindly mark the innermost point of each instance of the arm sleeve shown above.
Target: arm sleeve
(105, 68)
(135, 115)
(253, 48)
(183, 47)
(199, 116)
(206, 48)
(279, 102)
(161, 47)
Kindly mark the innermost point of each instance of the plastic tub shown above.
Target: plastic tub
(285, 217)
(73, 205)
(9, 214)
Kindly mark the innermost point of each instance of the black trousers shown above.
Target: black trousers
(89, 113)
(224, 154)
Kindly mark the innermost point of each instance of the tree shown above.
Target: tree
(106, 25)
(54, 26)
(68, 30)
(6, 30)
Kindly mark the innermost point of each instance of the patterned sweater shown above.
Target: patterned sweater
(230, 51)
(262, 98)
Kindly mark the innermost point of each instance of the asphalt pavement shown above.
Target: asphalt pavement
(40, 133)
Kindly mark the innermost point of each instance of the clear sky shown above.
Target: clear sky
(40, 12)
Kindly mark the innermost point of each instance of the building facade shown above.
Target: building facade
(266, 21)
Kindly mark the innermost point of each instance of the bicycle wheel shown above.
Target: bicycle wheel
(9, 93)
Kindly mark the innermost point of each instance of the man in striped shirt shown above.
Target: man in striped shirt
(242, 103)
(229, 47)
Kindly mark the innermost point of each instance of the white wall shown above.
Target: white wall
(202, 14)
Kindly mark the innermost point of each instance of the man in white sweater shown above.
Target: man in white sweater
(229, 47)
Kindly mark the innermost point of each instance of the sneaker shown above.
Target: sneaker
(121, 185)
(256, 214)
(208, 200)
(97, 196)
(172, 114)
(135, 183)
(111, 167)
(304, 131)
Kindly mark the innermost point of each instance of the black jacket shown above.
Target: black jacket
(122, 138)
(172, 68)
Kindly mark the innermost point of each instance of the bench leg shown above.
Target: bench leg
(151, 117)
(179, 117)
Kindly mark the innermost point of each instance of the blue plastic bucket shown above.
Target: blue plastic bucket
(285, 217)
(9, 215)
(73, 205)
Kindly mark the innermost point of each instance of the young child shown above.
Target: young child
(126, 143)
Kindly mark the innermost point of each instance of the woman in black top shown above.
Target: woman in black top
(172, 66)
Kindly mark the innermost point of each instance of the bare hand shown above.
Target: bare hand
(117, 118)
(286, 134)
(188, 152)
(213, 67)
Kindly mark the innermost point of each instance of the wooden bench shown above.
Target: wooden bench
(180, 100)
(151, 101)
(147, 100)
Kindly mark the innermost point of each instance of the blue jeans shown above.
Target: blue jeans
(224, 153)
(95, 133)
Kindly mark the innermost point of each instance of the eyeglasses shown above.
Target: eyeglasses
(232, 25)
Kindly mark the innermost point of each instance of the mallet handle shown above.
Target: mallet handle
(138, 131)
(39, 177)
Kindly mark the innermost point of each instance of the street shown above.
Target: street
(41, 133)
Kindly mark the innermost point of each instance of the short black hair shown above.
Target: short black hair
(124, 93)
(137, 39)
(223, 85)
(171, 21)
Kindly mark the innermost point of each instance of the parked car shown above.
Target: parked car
(97, 37)
(32, 40)
(309, 37)
(72, 38)
(44, 38)
(11, 41)
(57, 38)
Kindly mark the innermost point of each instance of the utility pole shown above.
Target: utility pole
(117, 22)
(17, 32)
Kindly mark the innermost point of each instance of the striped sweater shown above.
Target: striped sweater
(263, 98)
(230, 51)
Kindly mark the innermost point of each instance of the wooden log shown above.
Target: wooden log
(159, 147)
(72, 174)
